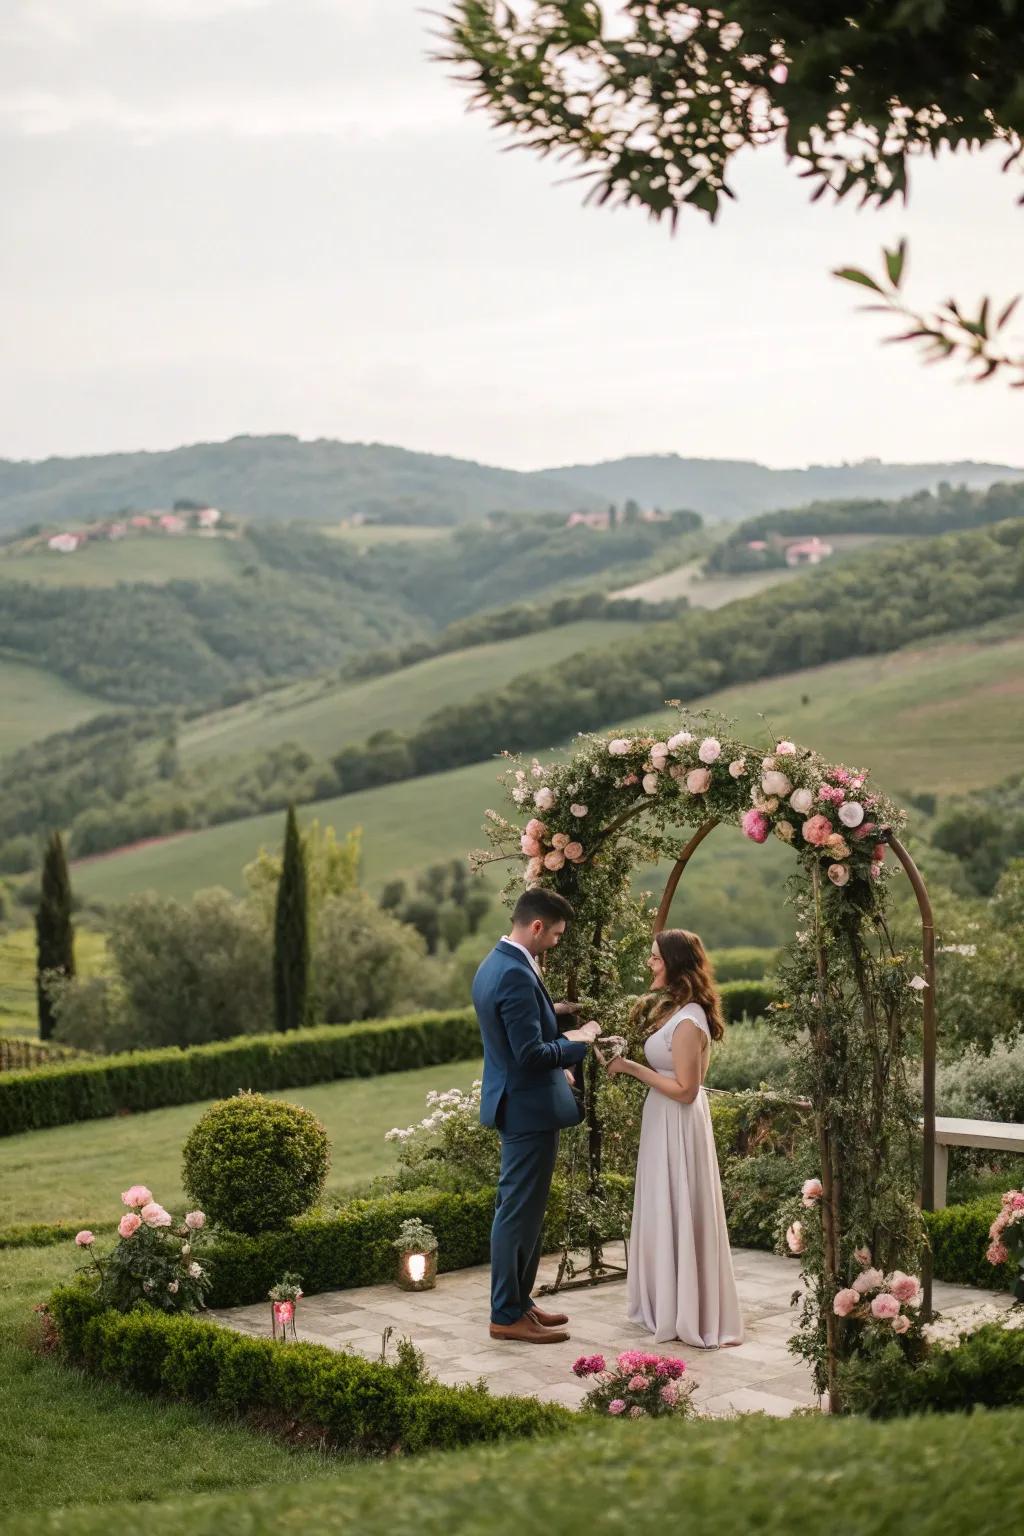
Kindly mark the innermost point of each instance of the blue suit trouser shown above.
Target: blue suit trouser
(527, 1164)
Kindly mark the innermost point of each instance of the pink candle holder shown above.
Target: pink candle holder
(282, 1320)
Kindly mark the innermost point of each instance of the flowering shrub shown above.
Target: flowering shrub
(288, 1288)
(950, 1332)
(153, 1262)
(1006, 1234)
(448, 1148)
(638, 1386)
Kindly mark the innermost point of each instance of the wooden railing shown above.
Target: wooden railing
(18, 1054)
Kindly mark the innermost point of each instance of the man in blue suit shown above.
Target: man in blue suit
(526, 1094)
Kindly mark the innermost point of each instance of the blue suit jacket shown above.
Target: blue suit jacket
(524, 1055)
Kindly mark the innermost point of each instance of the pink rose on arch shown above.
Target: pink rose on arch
(573, 852)
(811, 1192)
(137, 1196)
(680, 739)
(900, 1324)
(534, 869)
(885, 1307)
(795, 1237)
(865, 830)
(530, 846)
(785, 749)
(129, 1224)
(755, 826)
(560, 840)
(659, 755)
(817, 830)
(195, 1220)
(535, 828)
(738, 767)
(868, 1280)
(652, 783)
(906, 1288)
(844, 1302)
(85, 1239)
(839, 874)
(775, 783)
(698, 781)
(619, 746)
(1017, 1199)
(710, 750)
(154, 1215)
(616, 1406)
(555, 860)
(997, 1253)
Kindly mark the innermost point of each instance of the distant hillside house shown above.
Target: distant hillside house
(170, 522)
(208, 517)
(64, 543)
(141, 520)
(758, 544)
(588, 520)
(808, 552)
(117, 530)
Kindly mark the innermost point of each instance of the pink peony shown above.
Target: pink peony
(670, 1365)
(710, 750)
(536, 829)
(900, 1324)
(885, 1306)
(868, 1280)
(755, 826)
(84, 1239)
(573, 852)
(555, 860)
(670, 1394)
(698, 780)
(129, 1224)
(906, 1288)
(136, 1196)
(844, 1302)
(1017, 1199)
(785, 749)
(560, 839)
(659, 755)
(811, 1191)
(680, 739)
(775, 783)
(738, 767)
(637, 1383)
(616, 1406)
(839, 874)
(588, 1365)
(652, 783)
(851, 814)
(817, 830)
(544, 799)
(530, 846)
(534, 869)
(865, 830)
(619, 747)
(795, 1237)
(154, 1215)
(997, 1253)
(195, 1220)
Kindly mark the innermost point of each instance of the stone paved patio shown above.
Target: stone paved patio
(449, 1324)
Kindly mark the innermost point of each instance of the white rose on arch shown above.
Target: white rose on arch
(652, 783)
(710, 750)
(619, 746)
(802, 800)
(738, 767)
(851, 813)
(544, 799)
(774, 782)
(659, 755)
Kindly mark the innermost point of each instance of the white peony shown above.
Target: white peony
(578, 810)
(738, 767)
(544, 799)
(802, 800)
(710, 750)
(659, 755)
(619, 747)
(851, 813)
(679, 740)
(775, 783)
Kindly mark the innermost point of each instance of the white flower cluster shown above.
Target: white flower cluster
(968, 950)
(949, 1332)
(445, 1106)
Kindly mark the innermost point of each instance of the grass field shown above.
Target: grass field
(906, 716)
(18, 1014)
(154, 558)
(369, 534)
(325, 718)
(715, 591)
(108, 1155)
(34, 703)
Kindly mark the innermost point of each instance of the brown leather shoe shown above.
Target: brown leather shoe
(526, 1331)
(548, 1319)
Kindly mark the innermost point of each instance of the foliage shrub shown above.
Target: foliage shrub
(980, 1087)
(369, 1407)
(747, 962)
(750, 1054)
(143, 1080)
(985, 1370)
(746, 999)
(252, 1162)
(365, 962)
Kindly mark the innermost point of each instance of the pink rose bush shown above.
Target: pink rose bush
(1006, 1234)
(881, 1305)
(152, 1261)
(638, 1384)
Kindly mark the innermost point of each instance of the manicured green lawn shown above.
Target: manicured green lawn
(754, 1475)
(76, 1173)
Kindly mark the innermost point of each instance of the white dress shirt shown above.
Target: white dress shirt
(523, 951)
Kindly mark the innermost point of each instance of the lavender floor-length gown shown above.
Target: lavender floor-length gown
(681, 1284)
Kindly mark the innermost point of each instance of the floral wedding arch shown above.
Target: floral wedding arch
(849, 1005)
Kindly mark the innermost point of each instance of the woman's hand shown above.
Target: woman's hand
(616, 1064)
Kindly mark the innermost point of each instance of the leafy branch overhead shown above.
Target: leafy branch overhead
(658, 97)
(948, 332)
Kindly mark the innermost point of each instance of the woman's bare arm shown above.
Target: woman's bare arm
(687, 1059)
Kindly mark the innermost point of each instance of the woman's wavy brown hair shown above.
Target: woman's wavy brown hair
(689, 978)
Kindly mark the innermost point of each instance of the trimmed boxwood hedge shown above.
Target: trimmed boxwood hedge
(141, 1080)
(749, 998)
(744, 962)
(358, 1405)
(985, 1371)
(959, 1237)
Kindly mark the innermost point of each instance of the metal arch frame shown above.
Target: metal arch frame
(928, 1000)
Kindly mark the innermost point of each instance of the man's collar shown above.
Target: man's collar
(522, 949)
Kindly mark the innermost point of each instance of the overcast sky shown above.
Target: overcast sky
(228, 216)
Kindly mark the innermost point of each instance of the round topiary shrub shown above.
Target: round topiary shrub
(251, 1162)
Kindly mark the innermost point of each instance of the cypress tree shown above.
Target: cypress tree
(55, 935)
(291, 933)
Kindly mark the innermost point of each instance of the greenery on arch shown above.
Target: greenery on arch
(850, 1004)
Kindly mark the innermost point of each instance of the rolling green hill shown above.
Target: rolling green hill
(151, 558)
(325, 716)
(35, 703)
(942, 716)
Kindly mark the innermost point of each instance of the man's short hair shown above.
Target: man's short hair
(546, 905)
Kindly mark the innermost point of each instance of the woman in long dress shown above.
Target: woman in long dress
(681, 1283)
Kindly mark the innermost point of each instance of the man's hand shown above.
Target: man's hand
(587, 1032)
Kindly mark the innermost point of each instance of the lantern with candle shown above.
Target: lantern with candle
(284, 1301)
(416, 1246)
